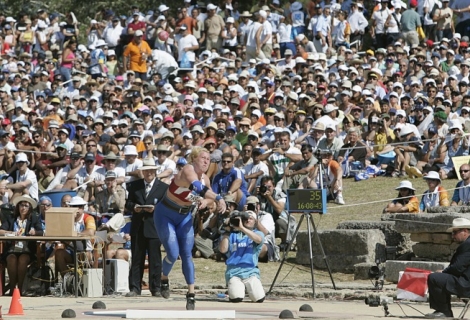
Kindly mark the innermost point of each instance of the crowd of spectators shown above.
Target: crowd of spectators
(270, 91)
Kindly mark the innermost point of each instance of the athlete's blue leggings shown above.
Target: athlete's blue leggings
(176, 233)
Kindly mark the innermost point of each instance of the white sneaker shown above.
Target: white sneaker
(339, 199)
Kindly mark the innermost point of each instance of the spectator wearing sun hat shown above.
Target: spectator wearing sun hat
(213, 25)
(436, 195)
(406, 201)
(22, 180)
(245, 126)
(135, 56)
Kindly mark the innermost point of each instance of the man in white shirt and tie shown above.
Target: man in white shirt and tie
(141, 202)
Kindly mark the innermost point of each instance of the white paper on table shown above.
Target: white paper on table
(117, 238)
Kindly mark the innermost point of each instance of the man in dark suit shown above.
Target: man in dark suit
(455, 279)
(144, 239)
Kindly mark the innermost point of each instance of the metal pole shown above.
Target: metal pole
(323, 252)
(310, 247)
(284, 257)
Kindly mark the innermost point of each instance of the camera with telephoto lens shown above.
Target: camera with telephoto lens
(251, 207)
(263, 189)
(318, 153)
(234, 221)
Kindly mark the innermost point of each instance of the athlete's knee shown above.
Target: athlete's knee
(171, 257)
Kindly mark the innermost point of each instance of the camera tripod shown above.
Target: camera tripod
(310, 226)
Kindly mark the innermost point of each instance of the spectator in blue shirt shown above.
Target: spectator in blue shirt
(230, 181)
(242, 249)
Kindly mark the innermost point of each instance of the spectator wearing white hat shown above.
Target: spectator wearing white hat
(448, 62)
(163, 63)
(342, 30)
(266, 34)
(243, 26)
(131, 164)
(455, 145)
(253, 41)
(322, 32)
(135, 56)
(22, 180)
(112, 33)
(286, 42)
(187, 45)
(406, 200)
(93, 33)
(98, 59)
(229, 34)
(297, 17)
(213, 25)
(358, 22)
(407, 153)
(436, 195)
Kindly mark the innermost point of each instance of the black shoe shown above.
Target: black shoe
(132, 294)
(165, 289)
(157, 293)
(190, 301)
(436, 315)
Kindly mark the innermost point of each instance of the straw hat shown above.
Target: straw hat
(245, 121)
(25, 198)
(162, 147)
(459, 223)
(148, 164)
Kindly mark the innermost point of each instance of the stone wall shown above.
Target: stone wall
(343, 248)
(392, 238)
(429, 233)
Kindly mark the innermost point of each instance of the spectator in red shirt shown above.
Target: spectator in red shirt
(184, 19)
(136, 25)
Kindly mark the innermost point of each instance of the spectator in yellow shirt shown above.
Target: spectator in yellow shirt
(406, 200)
(135, 56)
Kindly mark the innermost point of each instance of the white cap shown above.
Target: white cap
(138, 33)
(21, 157)
(130, 150)
(256, 113)
(401, 113)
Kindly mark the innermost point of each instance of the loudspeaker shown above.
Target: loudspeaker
(92, 283)
(117, 275)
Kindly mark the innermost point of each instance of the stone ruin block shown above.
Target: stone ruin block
(435, 252)
(423, 222)
(343, 248)
(393, 267)
(392, 237)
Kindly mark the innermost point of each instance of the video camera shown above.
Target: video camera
(377, 301)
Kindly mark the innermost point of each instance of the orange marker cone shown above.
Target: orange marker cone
(16, 308)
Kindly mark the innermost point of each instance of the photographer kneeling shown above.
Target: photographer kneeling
(242, 249)
(272, 200)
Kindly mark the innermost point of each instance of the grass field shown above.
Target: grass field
(365, 200)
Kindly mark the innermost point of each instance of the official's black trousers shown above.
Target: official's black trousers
(140, 246)
(439, 295)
